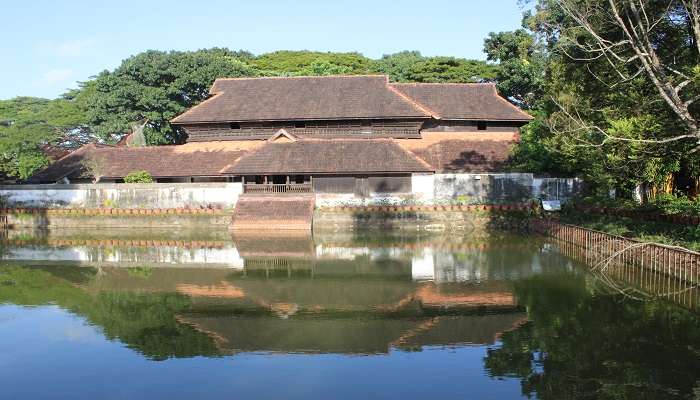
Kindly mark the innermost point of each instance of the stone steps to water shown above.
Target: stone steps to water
(274, 212)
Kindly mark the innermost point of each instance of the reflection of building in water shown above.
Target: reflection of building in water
(226, 257)
(298, 255)
(364, 299)
(351, 335)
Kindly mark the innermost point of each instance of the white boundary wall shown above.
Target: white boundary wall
(426, 189)
(486, 188)
(122, 195)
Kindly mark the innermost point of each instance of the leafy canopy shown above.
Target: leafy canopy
(157, 86)
(30, 126)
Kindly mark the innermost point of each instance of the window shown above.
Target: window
(481, 125)
(299, 124)
(235, 125)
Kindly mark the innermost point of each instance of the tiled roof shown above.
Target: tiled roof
(347, 97)
(66, 165)
(302, 98)
(472, 101)
(463, 152)
(435, 152)
(334, 156)
(192, 159)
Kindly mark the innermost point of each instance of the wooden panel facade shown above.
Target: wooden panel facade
(314, 129)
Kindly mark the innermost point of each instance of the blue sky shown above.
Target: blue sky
(49, 45)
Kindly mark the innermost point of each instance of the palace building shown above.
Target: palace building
(330, 134)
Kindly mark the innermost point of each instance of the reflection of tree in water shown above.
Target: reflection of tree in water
(146, 322)
(586, 345)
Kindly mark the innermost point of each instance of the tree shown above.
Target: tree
(658, 40)
(598, 117)
(158, 86)
(29, 126)
(305, 62)
(411, 66)
(521, 61)
(577, 343)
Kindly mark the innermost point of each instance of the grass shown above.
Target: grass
(687, 236)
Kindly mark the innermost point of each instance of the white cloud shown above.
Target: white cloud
(73, 48)
(55, 77)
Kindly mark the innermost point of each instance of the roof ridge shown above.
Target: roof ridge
(413, 155)
(411, 101)
(498, 96)
(189, 110)
(83, 148)
(246, 155)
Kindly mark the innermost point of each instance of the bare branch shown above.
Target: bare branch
(607, 137)
(632, 19)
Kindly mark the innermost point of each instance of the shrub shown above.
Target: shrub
(670, 204)
(138, 177)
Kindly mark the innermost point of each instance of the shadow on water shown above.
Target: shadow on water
(539, 315)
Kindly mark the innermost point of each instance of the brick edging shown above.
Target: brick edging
(113, 211)
(400, 208)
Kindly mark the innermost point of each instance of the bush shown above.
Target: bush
(670, 204)
(138, 177)
(663, 204)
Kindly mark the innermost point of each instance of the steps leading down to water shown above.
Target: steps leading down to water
(274, 212)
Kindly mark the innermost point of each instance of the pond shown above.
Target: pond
(122, 314)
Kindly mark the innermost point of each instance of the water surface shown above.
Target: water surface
(126, 314)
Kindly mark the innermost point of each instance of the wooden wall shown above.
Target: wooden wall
(316, 129)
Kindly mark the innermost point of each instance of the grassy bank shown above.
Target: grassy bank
(687, 236)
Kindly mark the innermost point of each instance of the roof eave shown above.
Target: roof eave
(364, 172)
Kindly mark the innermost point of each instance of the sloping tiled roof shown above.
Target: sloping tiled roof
(192, 159)
(348, 97)
(463, 152)
(302, 98)
(472, 101)
(66, 165)
(335, 156)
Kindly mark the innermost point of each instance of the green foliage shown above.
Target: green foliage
(650, 231)
(29, 125)
(285, 63)
(581, 344)
(138, 177)
(580, 101)
(670, 204)
(520, 76)
(141, 321)
(411, 66)
(593, 102)
(157, 86)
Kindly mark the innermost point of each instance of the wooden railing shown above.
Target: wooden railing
(278, 188)
(602, 249)
(637, 269)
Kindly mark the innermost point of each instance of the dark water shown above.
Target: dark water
(87, 315)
